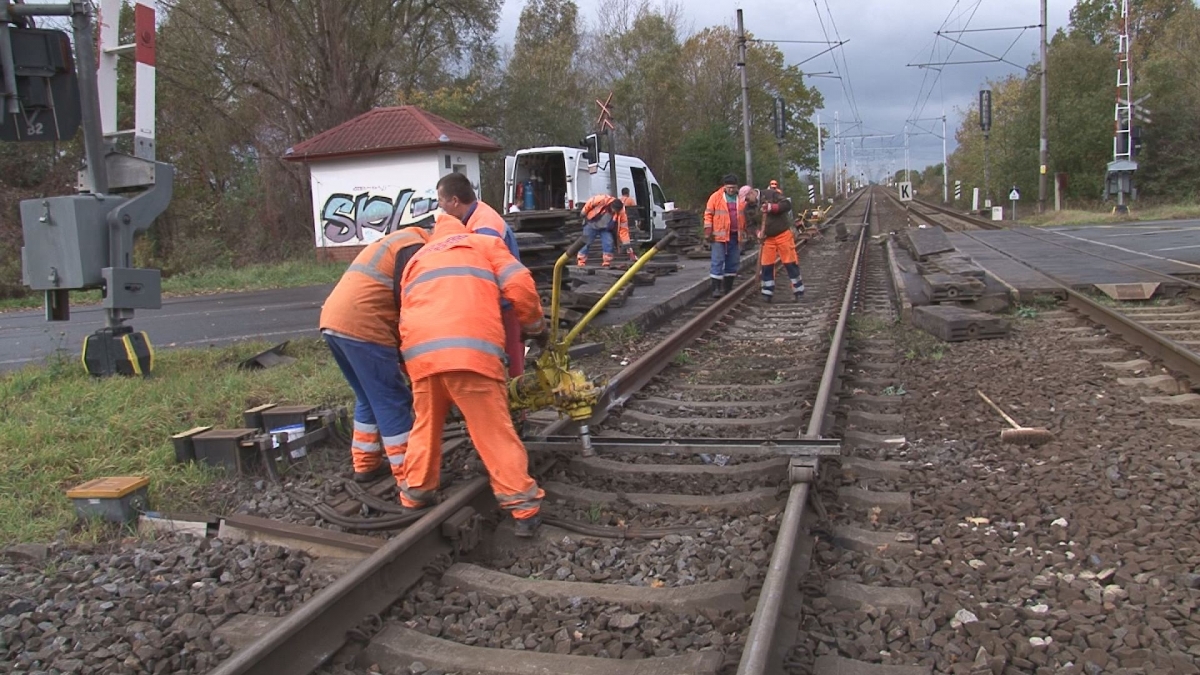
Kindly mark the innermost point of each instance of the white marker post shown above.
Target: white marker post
(1014, 196)
(906, 193)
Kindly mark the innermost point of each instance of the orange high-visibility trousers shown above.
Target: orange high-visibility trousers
(782, 245)
(483, 402)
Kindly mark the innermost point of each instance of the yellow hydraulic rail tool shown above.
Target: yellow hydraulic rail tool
(552, 383)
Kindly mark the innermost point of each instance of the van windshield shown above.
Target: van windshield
(540, 181)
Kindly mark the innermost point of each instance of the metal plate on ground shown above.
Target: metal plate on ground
(959, 264)
(926, 241)
(957, 324)
(740, 447)
(1141, 291)
(952, 288)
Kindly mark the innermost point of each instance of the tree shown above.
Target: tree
(542, 85)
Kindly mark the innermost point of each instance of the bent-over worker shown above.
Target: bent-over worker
(456, 196)
(452, 338)
(358, 322)
(623, 228)
(602, 215)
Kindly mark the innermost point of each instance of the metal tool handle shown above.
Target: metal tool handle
(997, 409)
(577, 246)
(667, 239)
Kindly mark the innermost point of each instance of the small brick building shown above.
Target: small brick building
(377, 173)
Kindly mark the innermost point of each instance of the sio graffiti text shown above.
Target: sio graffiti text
(346, 217)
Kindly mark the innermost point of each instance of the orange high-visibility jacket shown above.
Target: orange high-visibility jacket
(485, 220)
(450, 311)
(597, 206)
(716, 216)
(365, 303)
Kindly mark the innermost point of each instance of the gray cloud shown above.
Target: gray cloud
(883, 37)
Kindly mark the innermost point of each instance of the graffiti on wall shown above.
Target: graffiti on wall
(348, 217)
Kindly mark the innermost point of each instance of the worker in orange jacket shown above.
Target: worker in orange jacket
(623, 228)
(452, 338)
(778, 242)
(603, 215)
(358, 322)
(456, 196)
(724, 221)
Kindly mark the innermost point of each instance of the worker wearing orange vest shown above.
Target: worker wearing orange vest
(452, 338)
(358, 322)
(623, 228)
(724, 221)
(602, 215)
(778, 242)
(456, 196)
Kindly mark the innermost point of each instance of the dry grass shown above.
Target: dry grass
(1075, 217)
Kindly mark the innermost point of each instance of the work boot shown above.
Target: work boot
(632, 256)
(716, 287)
(798, 291)
(527, 527)
(767, 297)
(373, 475)
(413, 510)
(581, 260)
(728, 281)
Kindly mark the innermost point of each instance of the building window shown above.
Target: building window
(447, 161)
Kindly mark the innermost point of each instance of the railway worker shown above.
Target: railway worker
(623, 228)
(358, 322)
(452, 337)
(456, 197)
(724, 220)
(603, 215)
(778, 242)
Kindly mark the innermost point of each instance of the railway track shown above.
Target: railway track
(1168, 330)
(675, 549)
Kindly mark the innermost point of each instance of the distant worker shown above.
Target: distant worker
(456, 196)
(358, 322)
(724, 220)
(452, 339)
(631, 213)
(602, 216)
(778, 242)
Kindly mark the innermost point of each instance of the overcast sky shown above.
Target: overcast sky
(883, 37)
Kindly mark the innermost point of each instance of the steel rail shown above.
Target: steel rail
(310, 635)
(764, 643)
(1171, 353)
(965, 217)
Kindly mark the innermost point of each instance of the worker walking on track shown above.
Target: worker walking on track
(602, 216)
(456, 196)
(724, 220)
(452, 339)
(623, 228)
(778, 242)
(358, 322)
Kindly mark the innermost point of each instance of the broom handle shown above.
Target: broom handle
(997, 409)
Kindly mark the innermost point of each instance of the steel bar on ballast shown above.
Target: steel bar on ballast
(759, 656)
(311, 634)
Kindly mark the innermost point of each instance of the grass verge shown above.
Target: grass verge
(59, 427)
(1076, 217)
(288, 274)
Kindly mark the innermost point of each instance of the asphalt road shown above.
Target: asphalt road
(278, 315)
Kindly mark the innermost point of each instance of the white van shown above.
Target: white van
(563, 178)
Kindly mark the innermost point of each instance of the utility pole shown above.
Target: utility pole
(945, 163)
(906, 178)
(1044, 147)
(837, 154)
(985, 125)
(820, 164)
(745, 96)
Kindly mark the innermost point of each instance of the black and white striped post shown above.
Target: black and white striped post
(812, 194)
(957, 190)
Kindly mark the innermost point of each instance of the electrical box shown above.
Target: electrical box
(66, 241)
(132, 288)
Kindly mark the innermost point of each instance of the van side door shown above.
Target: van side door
(658, 210)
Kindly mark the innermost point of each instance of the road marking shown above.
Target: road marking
(1129, 250)
(1178, 248)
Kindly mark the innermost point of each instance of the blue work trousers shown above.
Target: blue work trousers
(600, 229)
(724, 258)
(381, 396)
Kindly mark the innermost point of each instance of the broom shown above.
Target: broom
(1019, 435)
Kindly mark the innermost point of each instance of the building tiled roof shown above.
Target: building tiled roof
(385, 130)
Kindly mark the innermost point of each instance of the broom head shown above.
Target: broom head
(1027, 436)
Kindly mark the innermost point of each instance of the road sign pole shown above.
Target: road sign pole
(1044, 147)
